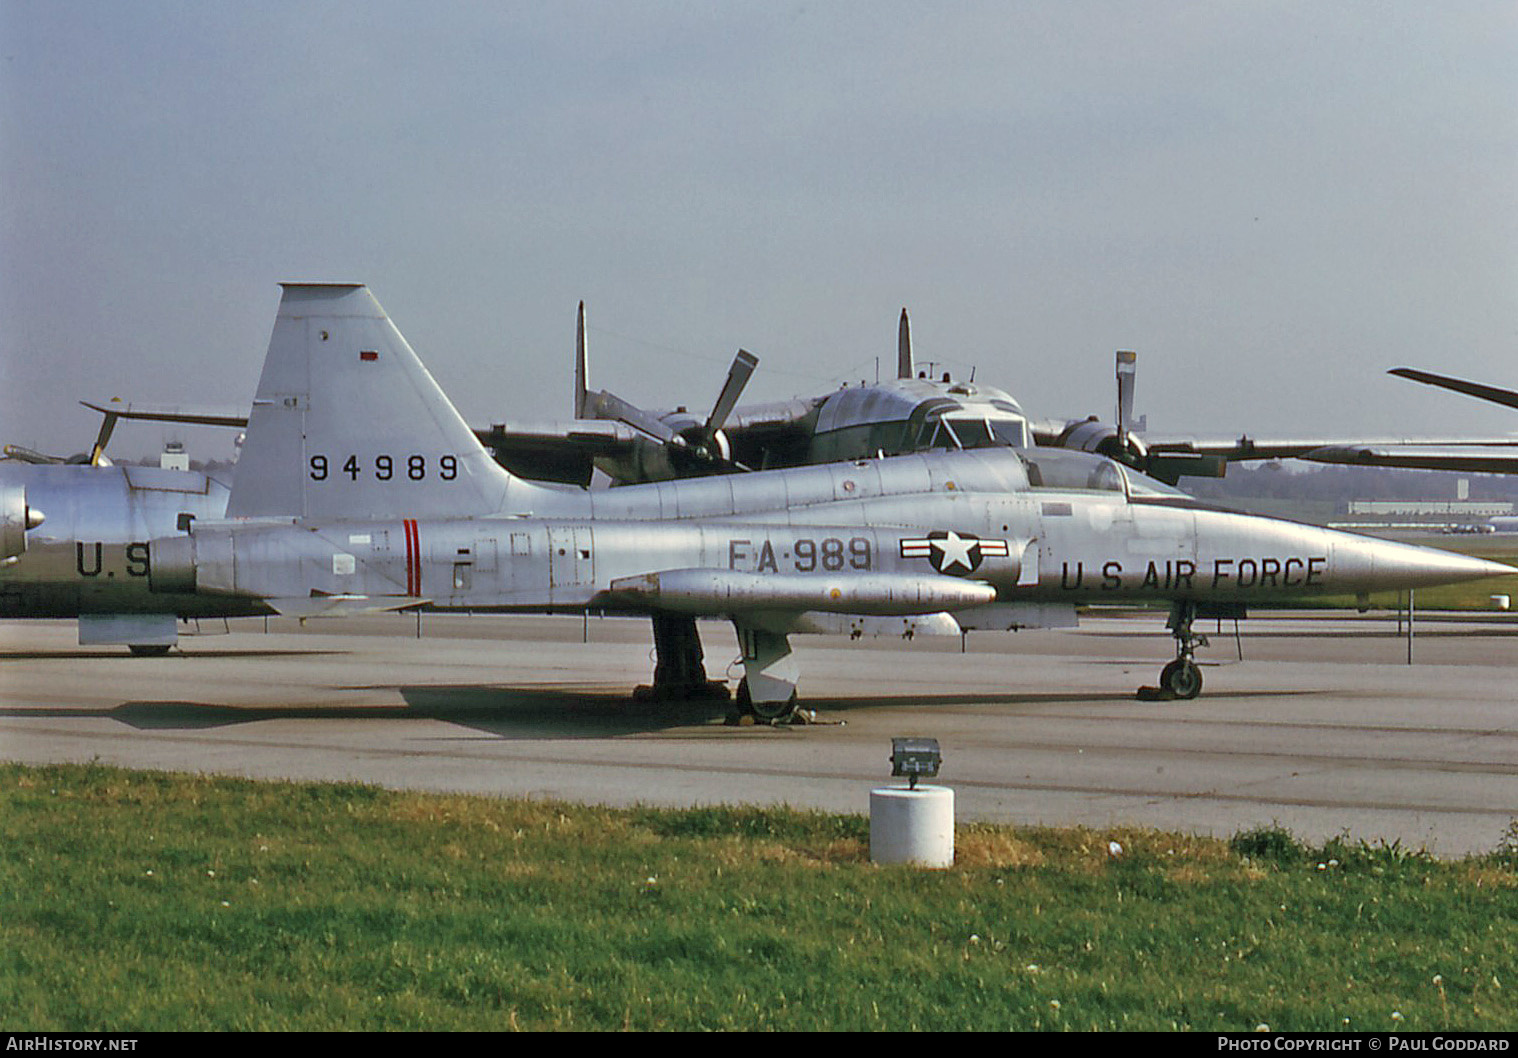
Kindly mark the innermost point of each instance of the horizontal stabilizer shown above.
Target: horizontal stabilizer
(723, 591)
(180, 413)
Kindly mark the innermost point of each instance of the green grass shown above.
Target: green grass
(143, 901)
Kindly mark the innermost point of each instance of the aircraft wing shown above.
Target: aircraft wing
(1471, 458)
(633, 442)
(776, 417)
(1320, 449)
(1479, 390)
(560, 451)
(1493, 455)
(1169, 458)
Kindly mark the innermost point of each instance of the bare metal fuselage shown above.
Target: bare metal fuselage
(93, 552)
(973, 516)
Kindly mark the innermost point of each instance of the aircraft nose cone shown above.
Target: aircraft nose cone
(1373, 564)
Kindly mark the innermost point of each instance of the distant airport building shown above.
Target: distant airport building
(174, 457)
(1428, 509)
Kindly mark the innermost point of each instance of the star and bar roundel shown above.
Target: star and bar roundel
(952, 552)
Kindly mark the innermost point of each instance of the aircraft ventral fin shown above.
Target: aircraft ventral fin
(304, 606)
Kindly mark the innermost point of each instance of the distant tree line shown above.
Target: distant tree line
(1273, 480)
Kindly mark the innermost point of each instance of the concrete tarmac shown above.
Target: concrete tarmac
(1322, 727)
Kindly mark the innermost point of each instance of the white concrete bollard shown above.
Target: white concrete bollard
(912, 826)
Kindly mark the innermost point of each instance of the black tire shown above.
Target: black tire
(1182, 678)
(764, 710)
(148, 650)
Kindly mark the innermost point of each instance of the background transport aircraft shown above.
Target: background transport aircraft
(912, 412)
(1473, 457)
(360, 488)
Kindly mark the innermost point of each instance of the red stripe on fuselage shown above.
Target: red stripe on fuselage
(413, 558)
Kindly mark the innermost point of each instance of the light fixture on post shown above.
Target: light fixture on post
(913, 824)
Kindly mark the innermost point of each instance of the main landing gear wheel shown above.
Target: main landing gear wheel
(679, 668)
(770, 711)
(1182, 678)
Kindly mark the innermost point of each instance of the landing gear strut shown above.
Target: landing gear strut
(770, 672)
(1182, 677)
(679, 668)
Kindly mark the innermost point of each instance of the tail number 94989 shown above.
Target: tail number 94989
(386, 468)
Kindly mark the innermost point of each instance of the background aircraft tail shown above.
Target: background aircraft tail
(349, 424)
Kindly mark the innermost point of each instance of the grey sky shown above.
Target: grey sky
(1271, 202)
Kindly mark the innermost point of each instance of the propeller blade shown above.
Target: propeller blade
(107, 427)
(604, 405)
(582, 367)
(29, 455)
(737, 377)
(1127, 365)
(904, 368)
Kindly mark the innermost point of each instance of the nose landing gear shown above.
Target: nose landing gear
(1182, 678)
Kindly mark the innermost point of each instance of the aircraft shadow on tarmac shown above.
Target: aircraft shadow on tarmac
(501, 712)
(545, 712)
(116, 655)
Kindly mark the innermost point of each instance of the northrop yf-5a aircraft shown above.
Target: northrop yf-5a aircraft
(360, 488)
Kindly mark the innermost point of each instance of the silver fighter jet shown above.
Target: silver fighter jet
(74, 542)
(360, 488)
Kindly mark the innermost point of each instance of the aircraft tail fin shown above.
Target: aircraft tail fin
(349, 424)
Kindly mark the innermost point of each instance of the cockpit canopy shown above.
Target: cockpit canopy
(1063, 470)
(915, 415)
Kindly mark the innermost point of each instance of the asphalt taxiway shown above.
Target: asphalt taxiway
(1322, 727)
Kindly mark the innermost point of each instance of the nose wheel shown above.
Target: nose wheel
(1181, 678)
